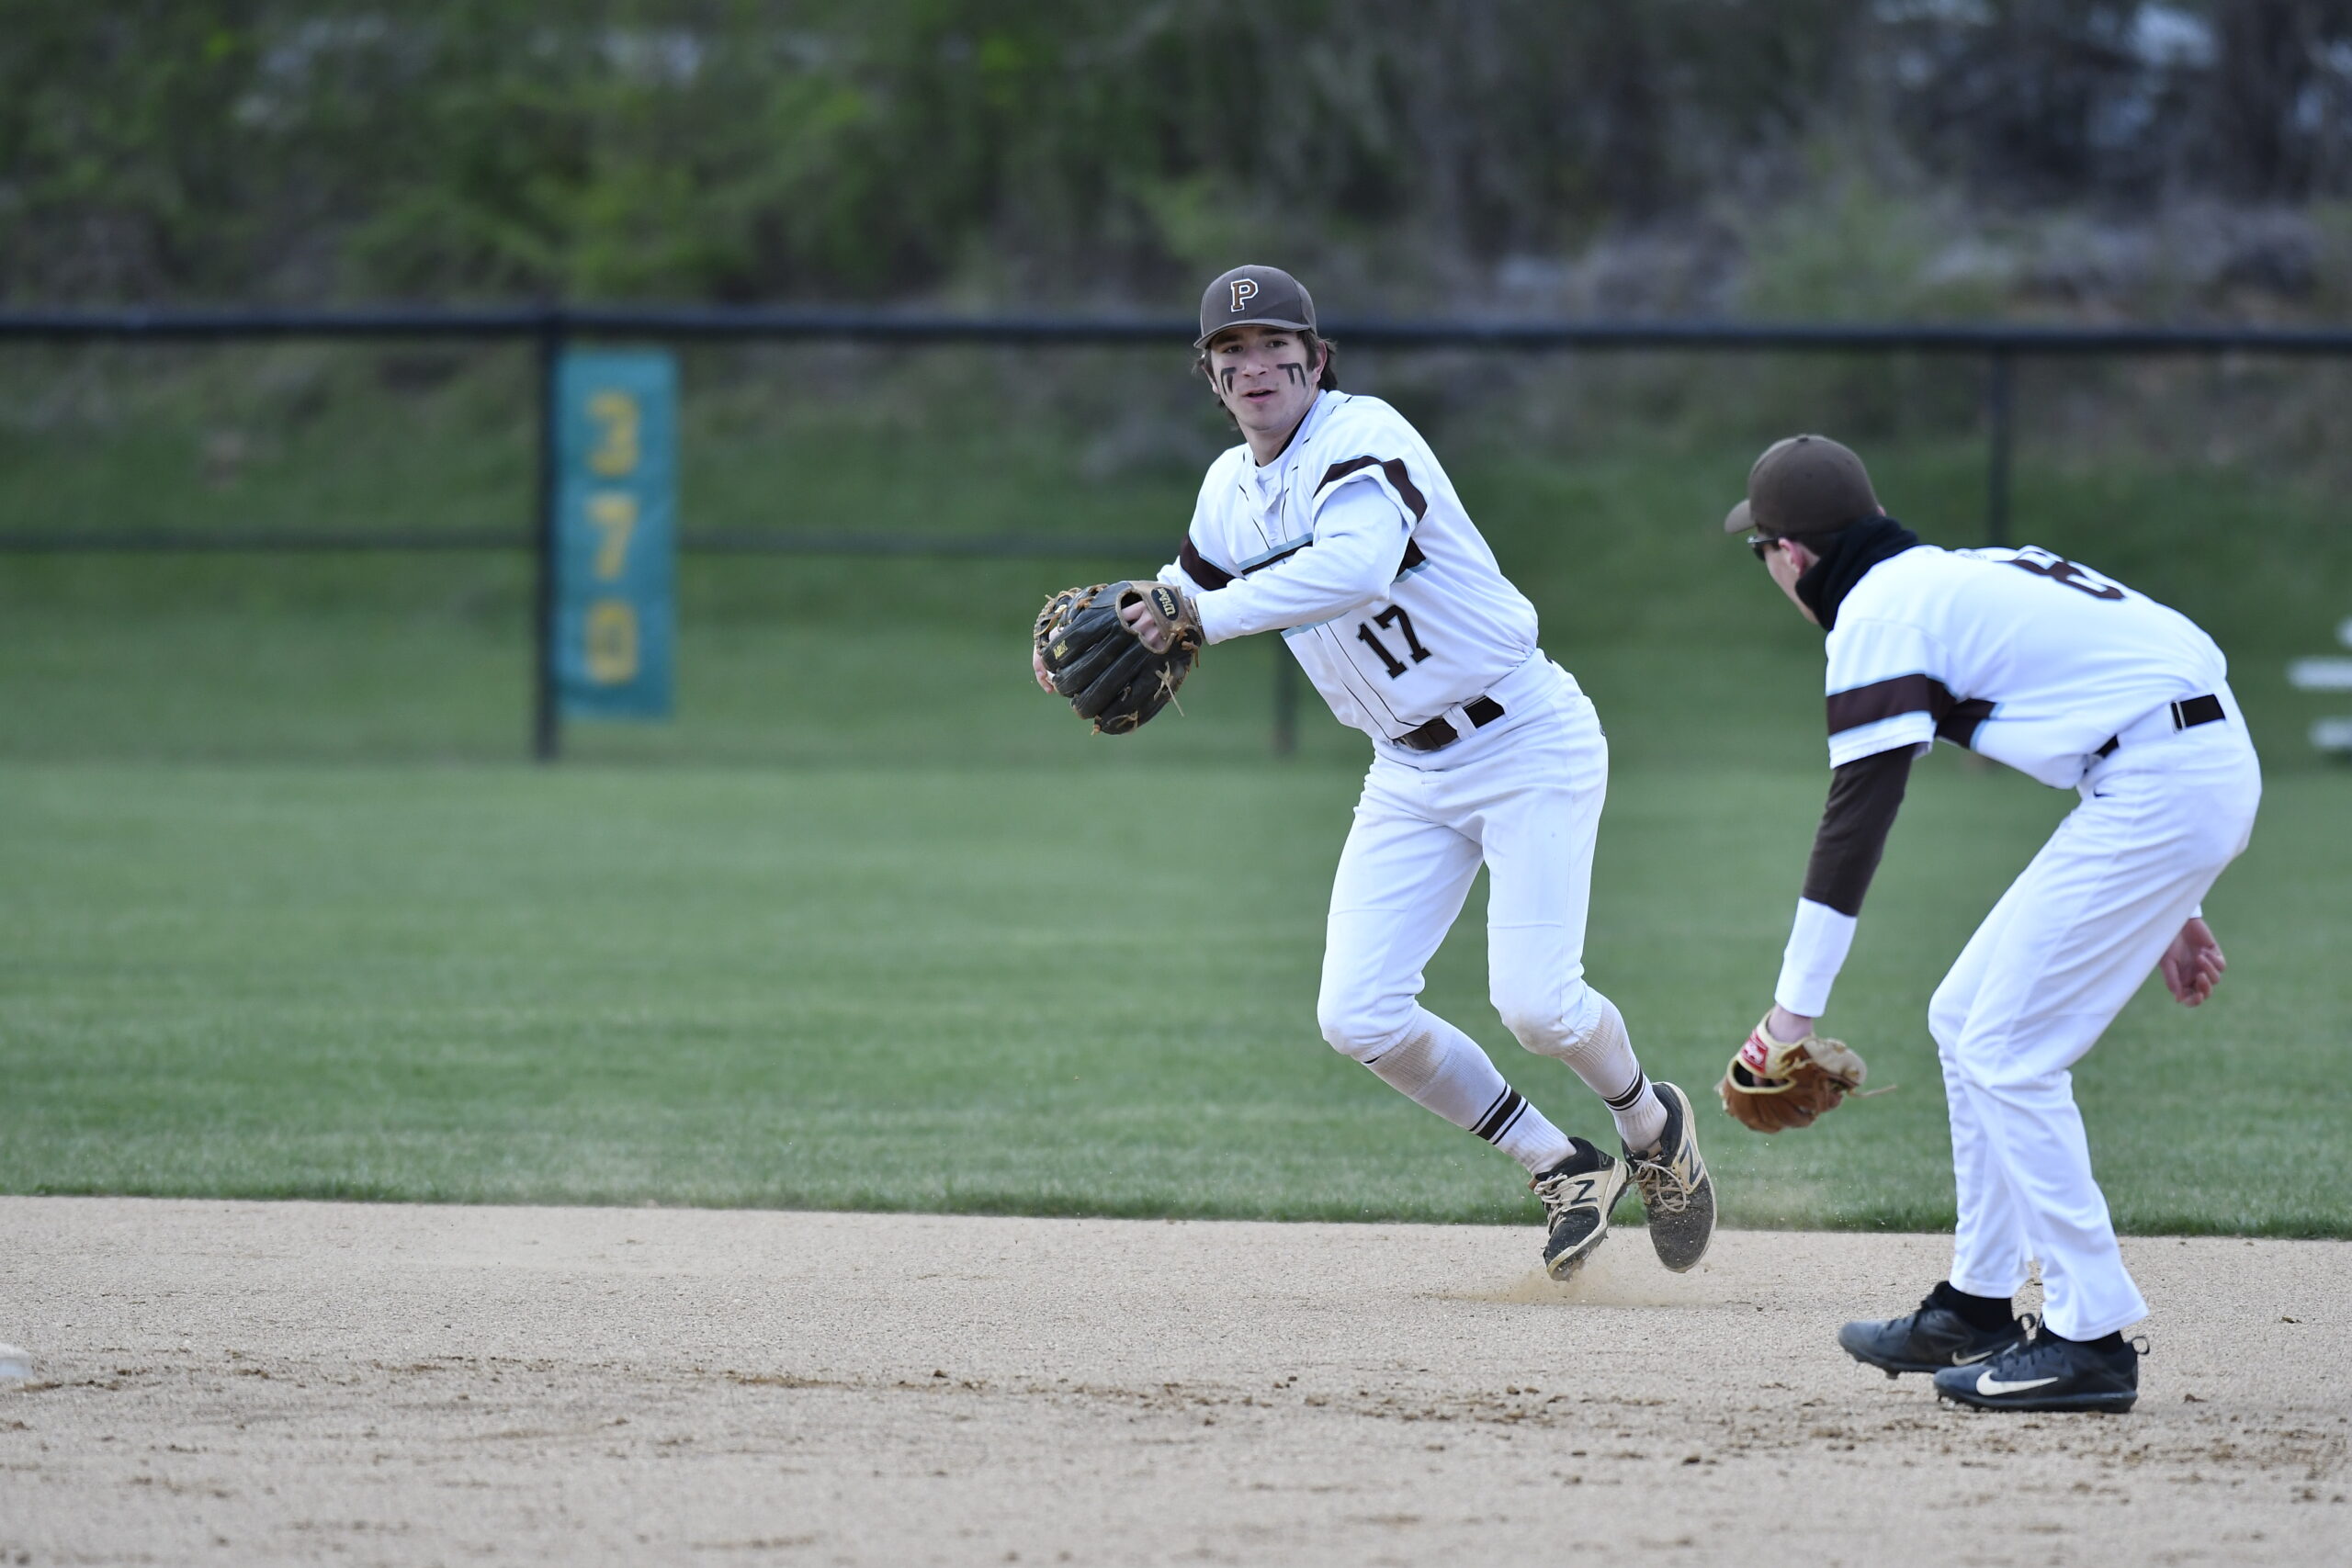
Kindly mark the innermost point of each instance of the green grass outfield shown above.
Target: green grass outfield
(930, 988)
(867, 926)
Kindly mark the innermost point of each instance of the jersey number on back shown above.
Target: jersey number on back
(2041, 563)
(1392, 617)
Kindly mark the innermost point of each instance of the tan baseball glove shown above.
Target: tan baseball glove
(1773, 1084)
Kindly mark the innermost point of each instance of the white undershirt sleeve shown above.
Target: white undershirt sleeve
(1359, 544)
(1818, 940)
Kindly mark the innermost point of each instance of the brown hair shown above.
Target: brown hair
(1329, 382)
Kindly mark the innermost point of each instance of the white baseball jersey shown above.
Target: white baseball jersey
(2017, 654)
(1353, 544)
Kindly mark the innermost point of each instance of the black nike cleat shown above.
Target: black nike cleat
(1931, 1339)
(1578, 1194)
(2049, 1374)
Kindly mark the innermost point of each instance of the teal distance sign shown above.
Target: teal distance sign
(617, 530)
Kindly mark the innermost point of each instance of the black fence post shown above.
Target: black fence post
(1285, 701)
(1999, 397)
(547, 721)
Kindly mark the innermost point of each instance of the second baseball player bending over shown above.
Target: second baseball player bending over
(1333, 525)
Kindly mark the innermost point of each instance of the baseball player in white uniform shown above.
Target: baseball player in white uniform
(2078, 681)
(1333, 523)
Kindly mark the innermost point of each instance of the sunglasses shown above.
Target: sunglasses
(1762, 543)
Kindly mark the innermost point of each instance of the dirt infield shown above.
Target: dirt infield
(312, 1382)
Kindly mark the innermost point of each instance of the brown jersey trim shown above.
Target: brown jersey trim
(1865, 795)
(1884, 699)
(1210, 575)
(1391, 468)
(1199, 567)
(1960, 724)
(1394, 469)
(1413, 558)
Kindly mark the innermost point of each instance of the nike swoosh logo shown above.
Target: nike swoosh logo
(1989, 1384)
(1960, 1361)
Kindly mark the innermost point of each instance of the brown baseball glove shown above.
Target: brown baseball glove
(1095, 659)
(1773, 1084)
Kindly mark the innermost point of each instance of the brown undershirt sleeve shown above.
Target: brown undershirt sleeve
(1865, 795)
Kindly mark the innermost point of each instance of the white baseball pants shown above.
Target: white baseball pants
(1528, 806)
(2043, 976)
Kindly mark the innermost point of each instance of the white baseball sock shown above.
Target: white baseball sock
(1603, 1058)
(1439, 1067)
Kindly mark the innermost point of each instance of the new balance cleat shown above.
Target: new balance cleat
(2049, 1373)
(1578, 1194)
(1931, 1339)
(1677, 1193)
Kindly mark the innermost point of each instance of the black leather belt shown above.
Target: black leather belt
(2187, 714)
(1439, 733)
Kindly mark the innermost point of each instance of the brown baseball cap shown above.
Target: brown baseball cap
(1255, 296)
(1805, 484)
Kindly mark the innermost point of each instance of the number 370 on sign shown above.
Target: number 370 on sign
(615, 516)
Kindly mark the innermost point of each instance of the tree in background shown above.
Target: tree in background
(2111, 101)
(1047, 152)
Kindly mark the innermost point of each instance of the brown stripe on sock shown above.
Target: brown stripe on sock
(1501, 1114)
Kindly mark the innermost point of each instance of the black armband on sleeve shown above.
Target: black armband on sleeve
(1865, 795)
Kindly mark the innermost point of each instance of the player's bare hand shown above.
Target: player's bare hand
(1037, 668)
(1149, 632)
(2193, 965)
(1787, 1025)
